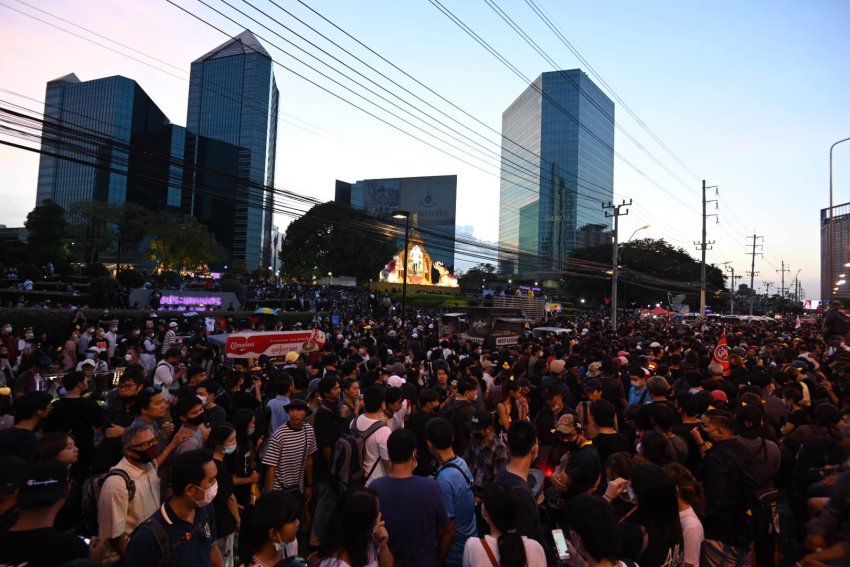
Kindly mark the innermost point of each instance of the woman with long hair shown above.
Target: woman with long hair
(268, 536)
(512, 407)
(691, 504)
(222, 441)
(653, 533)
(503, 547)
(358, 536)
(243, 461)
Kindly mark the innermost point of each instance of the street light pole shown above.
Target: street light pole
(830, 259)
(406, 216)
(615, 255)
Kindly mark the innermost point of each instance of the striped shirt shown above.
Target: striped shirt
(287, 451)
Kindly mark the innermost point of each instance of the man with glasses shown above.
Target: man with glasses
(130, 492)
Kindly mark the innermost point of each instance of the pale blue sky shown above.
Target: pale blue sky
(749, 95)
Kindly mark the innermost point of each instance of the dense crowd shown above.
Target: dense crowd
(655, 445)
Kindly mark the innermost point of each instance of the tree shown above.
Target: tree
(131, 225)
(182, 243)
(335, 238)
(103, 291)
(474, 277)
(89, 229)
(46, 226)
(649, 268)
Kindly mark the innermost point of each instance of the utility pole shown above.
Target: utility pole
(797, 286)
(782, 289)
(615, 256)
(703, 245)
(753, 273)
(732, 279)
(767, 288)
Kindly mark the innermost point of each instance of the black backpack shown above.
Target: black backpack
(91, 493)
(748, 497)
(346, 467)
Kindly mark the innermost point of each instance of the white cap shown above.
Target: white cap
(395, 381)
(172, 324)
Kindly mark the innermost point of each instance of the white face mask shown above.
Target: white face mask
(203, 400)
(128, 357)
(209, 495)
(7, 329)
(228, 449)
(636, 383)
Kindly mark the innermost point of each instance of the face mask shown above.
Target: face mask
(148, 455)
(229, 449)
(251, 430)
(135, 333)
(636, 383)
(128, 357)
(29, 336)
(197, 420)
(7, 329)
(209, 495)
(203, 400)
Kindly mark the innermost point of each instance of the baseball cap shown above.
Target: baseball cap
(557, 366)
(719, 396)
(43, 482)
(291, 357)
(481, 420)
(395, 381)
(553, 390)
(566, 423)
(11, 470)
(172, 324)
(396, 368)
(88, 362)
(749, 420)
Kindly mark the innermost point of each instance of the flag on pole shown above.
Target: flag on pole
(721, 354)
(798, 324)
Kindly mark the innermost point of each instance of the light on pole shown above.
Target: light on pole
(330, 275)
(406, 216)
(831, 246)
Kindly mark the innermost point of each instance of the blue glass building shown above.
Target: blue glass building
(230, 144)
(557, 167)
(432, 202)
(104, 140)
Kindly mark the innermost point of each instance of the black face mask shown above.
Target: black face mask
(197, 420)
(147, 456)
(479, 436)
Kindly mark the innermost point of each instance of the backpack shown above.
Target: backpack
(346, 467)
(749, 498)
(91, 493)
(150, 376)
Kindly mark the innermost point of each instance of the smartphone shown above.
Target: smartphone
(561, 545)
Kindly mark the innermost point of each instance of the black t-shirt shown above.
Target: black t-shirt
(657, 552)
(327, 425)
(44, 547)
(416, 424)
(609, 443)
(224, 521)
(18, 442)
(583, 469)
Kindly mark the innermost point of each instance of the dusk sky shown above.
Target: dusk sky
(747, 95)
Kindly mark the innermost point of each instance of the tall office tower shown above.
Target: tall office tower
(431, 202)
(104, 140)
(231, 136)
(836, 265)
(557, 166)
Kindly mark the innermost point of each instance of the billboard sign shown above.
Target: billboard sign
(274, 344)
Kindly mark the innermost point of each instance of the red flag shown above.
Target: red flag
(721, 354)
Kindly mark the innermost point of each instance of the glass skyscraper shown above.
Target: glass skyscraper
(557, 168)
(230, 145)
(100, 138)
(431, 202)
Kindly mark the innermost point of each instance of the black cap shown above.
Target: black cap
(481, 420)
(552, 390)
(11, 470)
(44, 482)
(297, 404)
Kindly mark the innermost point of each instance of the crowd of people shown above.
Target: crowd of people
(653, 445)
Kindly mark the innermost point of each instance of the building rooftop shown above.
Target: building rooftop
(243, 44)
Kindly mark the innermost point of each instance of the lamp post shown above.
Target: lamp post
(830, 258)
(406, 216)
(330, 275)
(615, 270)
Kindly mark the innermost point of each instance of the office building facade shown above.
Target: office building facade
(835, 264)
(431, 202)
(230, 148)
(557, 167)
(103, 140)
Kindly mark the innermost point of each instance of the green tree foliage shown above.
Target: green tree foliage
(639, 259)
(46, 226)
(103, 291)
(474, 277)
(182, 243)
(131, 279)
(326, 239)
(89, 230)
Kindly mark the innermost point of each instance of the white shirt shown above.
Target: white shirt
(474, 554)
(375, 447)
(693, 534)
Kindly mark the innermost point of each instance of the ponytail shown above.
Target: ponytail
(501, 504)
